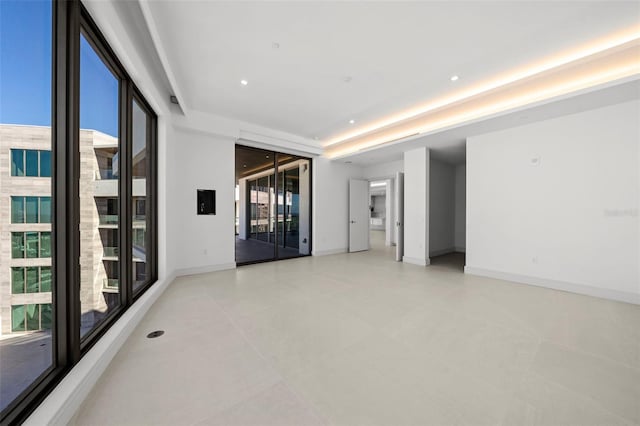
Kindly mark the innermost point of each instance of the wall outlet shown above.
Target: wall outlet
(204, 251)
(534, 260)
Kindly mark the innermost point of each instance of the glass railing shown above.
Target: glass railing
(108, 219)
(106, 174)
(110, 284)
(110, 251)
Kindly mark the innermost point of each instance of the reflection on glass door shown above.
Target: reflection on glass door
(273, 205)
(293, 206)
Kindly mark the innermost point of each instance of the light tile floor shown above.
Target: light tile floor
(358, 339)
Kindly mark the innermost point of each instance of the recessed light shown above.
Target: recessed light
(244, 166)
(454, 78)
(244, 82)
(275, 45)
(267, 156)
(352, 121)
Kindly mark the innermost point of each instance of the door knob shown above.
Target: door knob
(353, 221)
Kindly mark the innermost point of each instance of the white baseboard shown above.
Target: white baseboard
(204, 269)
(459, 249)
(63, 402)
(416, 261)
(620, 296)
(441, 252)
(329, 252)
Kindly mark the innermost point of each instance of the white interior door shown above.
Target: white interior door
(399, 201)
(358, 215)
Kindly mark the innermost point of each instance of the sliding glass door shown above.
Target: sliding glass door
(272, 206)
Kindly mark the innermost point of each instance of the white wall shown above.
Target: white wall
(416, 206)
(460, 210)
(383, 170)
(331, 205)
(167, 205)
(205, 242)
(569, 222)
(441, 208)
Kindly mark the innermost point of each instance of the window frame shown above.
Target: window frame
(23, 203)
(24, 151)
(23, 270)
(70, 19)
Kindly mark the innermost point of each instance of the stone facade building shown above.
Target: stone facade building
(25, 227)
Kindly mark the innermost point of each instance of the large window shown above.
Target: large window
(141, 168)
(99, 111)
(26, 340)
(80, 227)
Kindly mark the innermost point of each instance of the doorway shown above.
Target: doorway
(273, 205)
(379, 216)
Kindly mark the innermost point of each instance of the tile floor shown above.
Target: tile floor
(358, 339)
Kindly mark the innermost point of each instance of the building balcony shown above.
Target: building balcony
(109, 219)
(105, 188)
(110, 285)
(139, 221)
(110, 253)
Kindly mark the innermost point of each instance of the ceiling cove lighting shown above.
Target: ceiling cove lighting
(244, 82)
(482, 111)
(617, 64)
(378, 184)
(598, 46)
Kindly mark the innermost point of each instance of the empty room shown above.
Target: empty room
(296, 213)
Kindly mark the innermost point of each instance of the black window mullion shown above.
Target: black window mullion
(276, 186)
(152, 200)
(125, 208)
(66, 169)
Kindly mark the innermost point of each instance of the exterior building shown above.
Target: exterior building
(25, 227)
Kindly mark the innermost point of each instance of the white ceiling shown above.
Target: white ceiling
(398, 54)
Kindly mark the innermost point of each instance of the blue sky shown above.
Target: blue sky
(25, 71)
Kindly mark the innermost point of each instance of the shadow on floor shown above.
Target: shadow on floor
(449, 261)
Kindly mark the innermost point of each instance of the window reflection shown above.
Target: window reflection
(99, 191)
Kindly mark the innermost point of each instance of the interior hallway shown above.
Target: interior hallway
(361, 339)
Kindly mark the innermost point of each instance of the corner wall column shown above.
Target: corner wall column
(416, 207)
